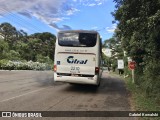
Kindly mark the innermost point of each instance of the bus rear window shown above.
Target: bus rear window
(77, 39)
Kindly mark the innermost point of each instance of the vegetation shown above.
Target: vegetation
(138, 31)
(116, 50)
(138, 34)
(141, 103)
(17, 46)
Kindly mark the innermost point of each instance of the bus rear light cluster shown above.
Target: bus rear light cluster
(96, 70)
(55, 68)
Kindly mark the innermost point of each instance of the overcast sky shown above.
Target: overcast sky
(53, 15)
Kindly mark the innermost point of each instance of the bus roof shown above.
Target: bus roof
(78, 31)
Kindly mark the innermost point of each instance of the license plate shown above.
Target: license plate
(75, 70)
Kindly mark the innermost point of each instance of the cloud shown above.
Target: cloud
(92, 4)
(99, 3)
(25, 14)
(45, 10)
(65, 27)
(48, 11)
(72, 11)
(111, 29)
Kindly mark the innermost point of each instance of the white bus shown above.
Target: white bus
(78, 57)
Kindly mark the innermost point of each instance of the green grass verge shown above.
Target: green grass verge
(140, 101)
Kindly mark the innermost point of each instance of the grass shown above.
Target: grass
(140, 102)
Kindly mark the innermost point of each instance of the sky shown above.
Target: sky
(37, 16)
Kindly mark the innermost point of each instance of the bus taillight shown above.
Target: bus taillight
(96, 70)
(55, 68)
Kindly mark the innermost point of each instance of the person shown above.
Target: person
(121, 71)
(108, 69)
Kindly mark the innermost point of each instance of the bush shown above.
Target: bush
(43, 59)
(147, 77)
(23, 65)
(3, 63)
(127, 72)
(151, 84)
(13, 55)
(139, 78)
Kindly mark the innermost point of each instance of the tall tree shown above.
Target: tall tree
(4, 48)
(139, 31)
(48, 43)
(9, 32)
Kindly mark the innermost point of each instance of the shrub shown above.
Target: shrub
(23, 65)
(3, 63)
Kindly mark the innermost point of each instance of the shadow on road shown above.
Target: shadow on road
(78, 88)
(111, 86)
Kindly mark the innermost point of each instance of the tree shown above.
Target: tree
(139, 31)
(22, 35)
(4, 48)
(45, 36)
(9, 32)
(23, 49)
(116, 50)
(47, 42)
(18, 45)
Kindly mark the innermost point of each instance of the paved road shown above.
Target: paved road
(36, 91)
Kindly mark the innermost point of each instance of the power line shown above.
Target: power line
(21, 20)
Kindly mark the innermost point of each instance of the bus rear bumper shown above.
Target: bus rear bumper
(78, 80)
